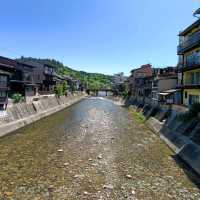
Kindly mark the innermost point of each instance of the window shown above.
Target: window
(192, 77)
(3, 80)
(2, 94)
(194, 99)
(198, 77)
(186, 95)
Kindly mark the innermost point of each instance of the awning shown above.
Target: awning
(167, 92)
(164, 93)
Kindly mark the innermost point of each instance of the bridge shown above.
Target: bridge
(103, 90)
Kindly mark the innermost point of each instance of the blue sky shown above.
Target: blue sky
(106, 36)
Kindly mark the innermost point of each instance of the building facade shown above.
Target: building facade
(119, 83)
(7, 70)
(22, 80)
(140, 81)
(189, 64)
(164, 86)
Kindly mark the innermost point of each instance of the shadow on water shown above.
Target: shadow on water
(191, 174)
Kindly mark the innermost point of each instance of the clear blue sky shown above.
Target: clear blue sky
(106, 36)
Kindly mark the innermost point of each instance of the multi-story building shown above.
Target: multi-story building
(7, 69)
(164, 83)
(189, 63)
(45, 76)
(119, 83)
(22, 80)
(140, 81)
(119, 78)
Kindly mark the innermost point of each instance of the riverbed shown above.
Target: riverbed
(94, 149)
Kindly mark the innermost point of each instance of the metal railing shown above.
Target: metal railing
(189, 42)
(191, 82)
(193, 60)
(3, 84)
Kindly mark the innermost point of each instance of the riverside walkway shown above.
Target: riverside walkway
(94, 150)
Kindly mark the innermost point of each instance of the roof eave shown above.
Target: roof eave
(189, 28)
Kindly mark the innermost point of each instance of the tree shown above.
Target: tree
(65, 87)
(59, 90)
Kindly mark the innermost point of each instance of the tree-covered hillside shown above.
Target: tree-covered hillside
(92, 80)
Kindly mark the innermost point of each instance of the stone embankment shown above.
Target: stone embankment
(22, 114)
(182, 137)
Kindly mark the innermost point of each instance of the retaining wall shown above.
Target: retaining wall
(182, 137)
(20, 115)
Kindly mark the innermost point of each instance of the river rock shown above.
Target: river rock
(109, 186)
(100, 157)
(128, 176)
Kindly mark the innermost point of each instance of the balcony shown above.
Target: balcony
(4, 84)
(189, 42)
(3, 100)
(191, 84)
(193, 60)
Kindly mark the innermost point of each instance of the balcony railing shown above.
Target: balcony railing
(189, 42)
(193, 60)
(3, 99)
(192, 82)
(3, 84)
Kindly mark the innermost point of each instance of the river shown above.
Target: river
(93, 150)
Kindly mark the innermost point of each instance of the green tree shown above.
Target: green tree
(65, 87)
(59, 90)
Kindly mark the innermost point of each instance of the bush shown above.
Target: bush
(125, 93)
(59, 90)
(65, 87)
(17, 98)
(191, 114)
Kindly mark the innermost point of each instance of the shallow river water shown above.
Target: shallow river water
(93, 150)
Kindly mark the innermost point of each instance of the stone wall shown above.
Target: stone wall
(182, 137)
(20, 115)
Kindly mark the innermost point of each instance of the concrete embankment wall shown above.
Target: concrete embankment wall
(182, 137)
(20, 115)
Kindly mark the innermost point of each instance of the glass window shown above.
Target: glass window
(2, 94)
(3, 78)
(192, 77)
(194, 99)
(198, 77)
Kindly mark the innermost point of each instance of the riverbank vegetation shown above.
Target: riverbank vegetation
(17, 98)
(61, 89)
(137, 115)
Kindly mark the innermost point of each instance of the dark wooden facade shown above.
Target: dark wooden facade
(7, 70)
(22, 81)
(30, 79)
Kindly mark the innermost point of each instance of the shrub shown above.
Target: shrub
(65, 87)
(17, 98)
(59, 90)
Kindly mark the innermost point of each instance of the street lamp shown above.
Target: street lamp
(197, 13)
